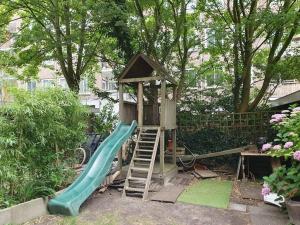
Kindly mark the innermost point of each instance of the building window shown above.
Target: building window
(210, 39)
(108, 85)
(47, 83)
(84, 87)
(213, 79)
(31, 85)
(63, 83)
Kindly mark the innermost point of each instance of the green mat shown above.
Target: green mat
(214, 193)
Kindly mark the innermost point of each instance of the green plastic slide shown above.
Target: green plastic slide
(69, 202)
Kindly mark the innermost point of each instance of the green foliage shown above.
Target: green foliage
(38, 134)
(247, 38)
(210, 100)
(105, 121)
(286, 180)
(72, 33)
(209, 140)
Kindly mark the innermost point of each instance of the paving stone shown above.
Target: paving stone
(237, 207)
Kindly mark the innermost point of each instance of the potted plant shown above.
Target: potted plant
(285, 180)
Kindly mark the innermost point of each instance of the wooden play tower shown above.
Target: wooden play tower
(155, 110)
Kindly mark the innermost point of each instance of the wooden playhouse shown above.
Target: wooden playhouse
(154, 108)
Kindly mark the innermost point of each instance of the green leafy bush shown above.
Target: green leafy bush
(38, 134)
(105, 120)
(285, 180)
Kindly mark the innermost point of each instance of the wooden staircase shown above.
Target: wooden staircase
(140, 170)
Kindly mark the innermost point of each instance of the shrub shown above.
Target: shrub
(38, 134)
(286, 179)
(105, 120)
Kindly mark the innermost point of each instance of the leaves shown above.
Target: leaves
(38, 134)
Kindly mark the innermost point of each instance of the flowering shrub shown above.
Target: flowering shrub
(285, 180)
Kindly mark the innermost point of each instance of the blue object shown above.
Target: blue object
(69, 202)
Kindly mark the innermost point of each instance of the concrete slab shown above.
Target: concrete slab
(24, 212)
(29, 210)
(237, 207)
(5, 216)
(250, 190)
(267, 215)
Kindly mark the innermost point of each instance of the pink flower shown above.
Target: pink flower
(288, 144)
(296, 109)
(296, 155)
(276, 118)
(265, 190)
(285, 111)
(277, 147)
(265, 147)
(273, 121)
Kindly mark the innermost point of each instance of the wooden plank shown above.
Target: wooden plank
(168, 194)
(140, 104)
(216, 154)
(170, 114)
(174, 146)
(162, 125)
(147, 186)
(121, 103)
(238, 168)
(140, 79)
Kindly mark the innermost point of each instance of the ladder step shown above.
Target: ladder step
(143, 155)
(141, 159)
(137, 178)
(149, 134)
(140, 169)
(134, 189)
(148, 142)
(143, 150)
(148, 138)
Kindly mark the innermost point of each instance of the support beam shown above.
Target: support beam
(174, 146)
(174, 131)
(120, 159)
(162, 126)
(139, 79)
(121, 103)
(140, 104)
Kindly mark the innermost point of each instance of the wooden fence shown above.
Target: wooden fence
(250, 125)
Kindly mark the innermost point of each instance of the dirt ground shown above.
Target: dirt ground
(110, 209)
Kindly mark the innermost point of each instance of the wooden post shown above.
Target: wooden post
(120, 158)
(174, 146)
(122, 119)
(140, 104)
(121, 103)
(174, 130)
(162, 127)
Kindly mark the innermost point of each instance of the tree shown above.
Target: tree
(246, 29)
(165, 30)
(71, 33)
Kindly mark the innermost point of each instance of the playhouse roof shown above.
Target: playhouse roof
(140, 68)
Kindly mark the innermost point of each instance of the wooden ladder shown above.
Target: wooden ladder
(140, 170)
